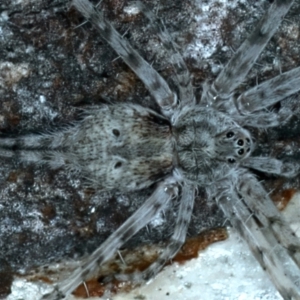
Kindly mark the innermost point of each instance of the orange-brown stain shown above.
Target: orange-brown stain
(191, 248)
(282, 198)
(193, 245)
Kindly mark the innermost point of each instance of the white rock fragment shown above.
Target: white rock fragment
(10, 73)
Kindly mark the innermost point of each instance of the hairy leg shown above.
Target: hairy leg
(51, 149)
(37, 141)
(244, 58)
(177, 239)
(274, 258)
(271, 166)
(269, 92)
(265, 119)
(164, 192)
(156, 85)
(269, 217)
(54, 159)
(183, 76)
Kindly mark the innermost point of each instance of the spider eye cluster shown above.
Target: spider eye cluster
(234, 145)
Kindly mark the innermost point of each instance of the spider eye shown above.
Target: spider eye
(229, 134)
(231, 160)
(240, 142)
(241, 152)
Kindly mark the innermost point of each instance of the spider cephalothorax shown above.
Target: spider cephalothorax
(185, 146)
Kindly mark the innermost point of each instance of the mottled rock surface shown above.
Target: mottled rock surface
(49, 70)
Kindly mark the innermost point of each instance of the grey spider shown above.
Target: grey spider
(204, 144)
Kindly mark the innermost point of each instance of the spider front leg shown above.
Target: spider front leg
(265, 95)
(264, 209)
(164, 192)
(272, 166)
(178, 238)
(244, 58)
(263, 244)
(265, 119)
(269, 92)
(156, 85)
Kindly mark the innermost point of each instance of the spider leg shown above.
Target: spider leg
(156, 85)
(269, 92)
(164, 192)
(54, 159)
(36, 141)
(276, 262)
(270, 218)
(244, 58)
(177, 239)
(39, 148)
(183, 76)
(265, 119)
(272, 166)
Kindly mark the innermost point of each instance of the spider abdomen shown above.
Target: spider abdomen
(124, 147)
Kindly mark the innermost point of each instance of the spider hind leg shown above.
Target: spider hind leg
(178, 238)
(165, 191)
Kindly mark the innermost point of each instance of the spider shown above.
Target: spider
(188, 145)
